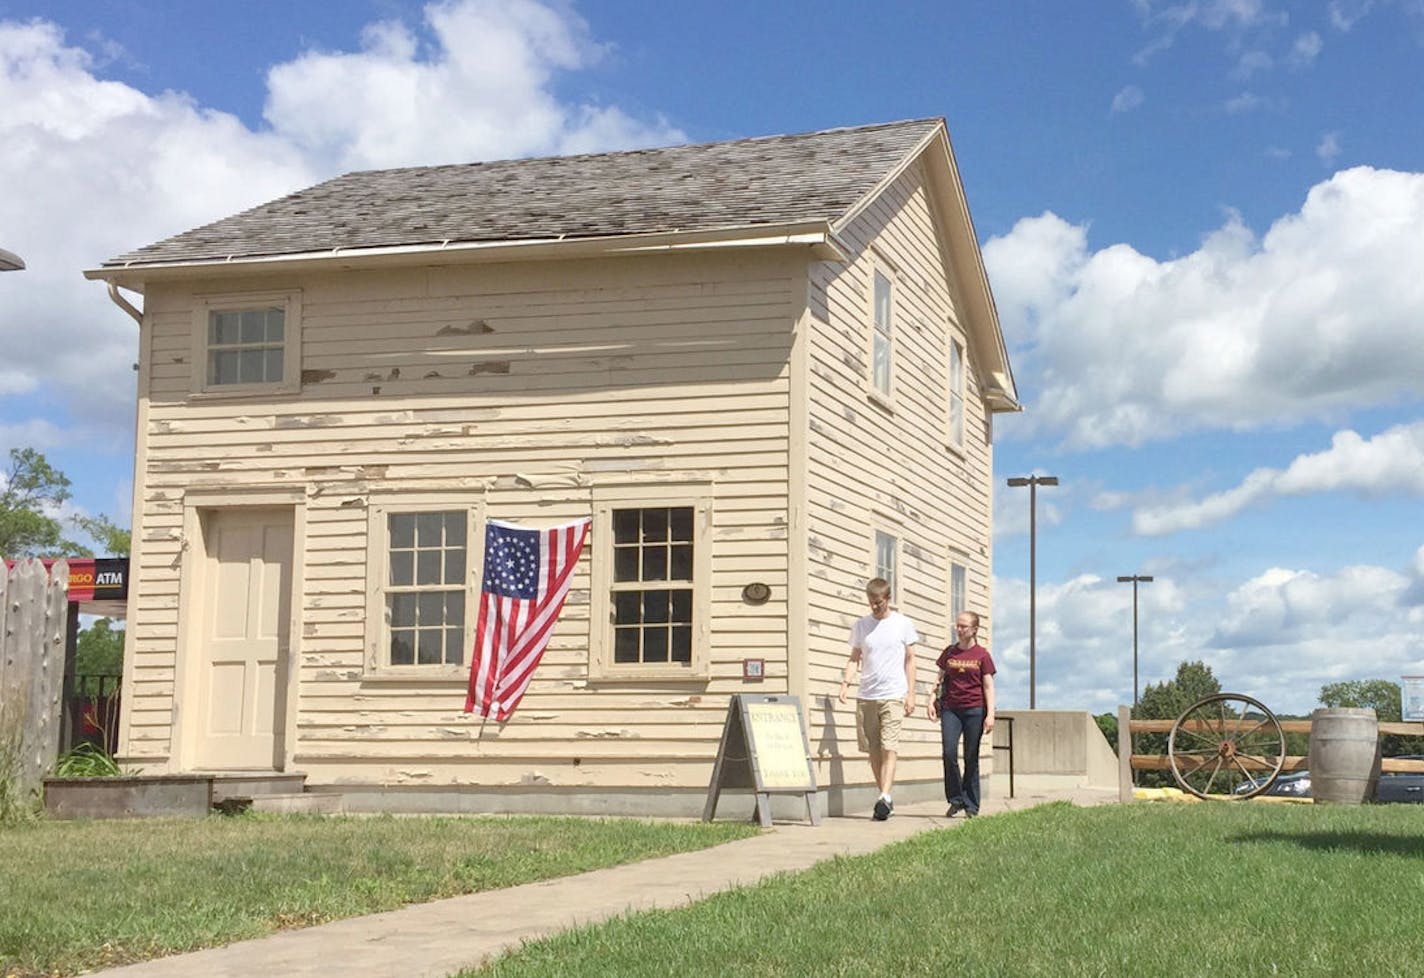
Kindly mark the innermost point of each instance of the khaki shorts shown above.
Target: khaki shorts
(877, 724)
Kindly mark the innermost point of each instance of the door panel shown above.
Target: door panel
(246, 611)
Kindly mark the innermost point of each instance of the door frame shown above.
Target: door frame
(199, 505)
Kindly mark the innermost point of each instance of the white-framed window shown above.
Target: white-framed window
(887, 548)
(882, 332)
(651, 587)
(422, 558)
(958, 589)
(247, 343)
(956, 395)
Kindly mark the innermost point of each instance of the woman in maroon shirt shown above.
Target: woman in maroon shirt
(964, 702)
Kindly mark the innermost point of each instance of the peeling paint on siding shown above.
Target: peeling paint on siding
(473, 328)
(489, 367)
(621, 464)
(317, 376)
(533, 777)
(308, 421)
(606, 734)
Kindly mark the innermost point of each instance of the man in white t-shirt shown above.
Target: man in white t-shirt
(882, 644)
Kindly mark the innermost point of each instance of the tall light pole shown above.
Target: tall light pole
(1033, 482)
(1136, 579)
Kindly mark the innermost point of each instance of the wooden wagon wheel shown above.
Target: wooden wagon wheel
(1227, 746)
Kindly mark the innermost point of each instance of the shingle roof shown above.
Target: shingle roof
(770, 180)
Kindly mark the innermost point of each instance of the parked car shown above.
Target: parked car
(1393, 787)
(1402, 786)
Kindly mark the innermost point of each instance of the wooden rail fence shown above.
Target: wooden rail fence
(1128, 762)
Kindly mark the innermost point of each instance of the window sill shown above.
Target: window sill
(239, 391)
(647, 674)
(442, 675)
(880, 401)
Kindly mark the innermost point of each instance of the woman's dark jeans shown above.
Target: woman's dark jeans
(970, 723)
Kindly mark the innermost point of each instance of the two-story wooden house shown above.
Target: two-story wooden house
(766, 368)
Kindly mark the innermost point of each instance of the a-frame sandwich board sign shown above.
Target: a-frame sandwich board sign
(763, 748)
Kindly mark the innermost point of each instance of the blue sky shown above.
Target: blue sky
(1203, 222)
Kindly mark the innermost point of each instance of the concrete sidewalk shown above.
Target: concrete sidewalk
(434, 940)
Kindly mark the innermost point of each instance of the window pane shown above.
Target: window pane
(454, 567)
(957, 588)
(655, 560)
(625, 564)
(454, 646)
(402, 611)
(430, 646)
(402, 527)
(429, 529)
(627, 607)
(455, 529)
(682, 606)
(402, 568)
(403, 647)
(882, 303)
(655, 644)
(249, 366)
(625, 526)
(681, 564)
(430, 609)
(272, 365)
(655, 525)
(655, 606)
(254, 326)
(222, 368)
(681, 519)
(429, 568)
(625, 645)
(881, 365)
(455, 608)
(276, 325)
(682, 643)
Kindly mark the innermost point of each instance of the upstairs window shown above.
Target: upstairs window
(247, 344)
(882, 350)
(958, 590)
(886, 561)
(956, 395)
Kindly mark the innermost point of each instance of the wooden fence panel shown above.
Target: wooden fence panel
(33, 621)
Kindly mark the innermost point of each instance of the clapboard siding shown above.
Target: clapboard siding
(628, 373)
(876, 465)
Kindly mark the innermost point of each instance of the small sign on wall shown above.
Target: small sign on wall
(1411, 699)
(763, 748)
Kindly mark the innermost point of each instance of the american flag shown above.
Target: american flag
(527, 574)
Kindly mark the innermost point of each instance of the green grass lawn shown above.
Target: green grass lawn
(83, 895)
(1139, 890)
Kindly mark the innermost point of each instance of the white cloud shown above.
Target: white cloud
(1278, 636)
(1306, 49)
(1390, 462)
(1127, 99)
(1328, 149)
(1245, 102)
(1116, 348)
(1252, 62)
(482, 91)
(1345, 14)
(92, 168)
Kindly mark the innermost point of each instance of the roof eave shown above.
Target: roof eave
(816, 236)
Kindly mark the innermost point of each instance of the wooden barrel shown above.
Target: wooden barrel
(1344, 755)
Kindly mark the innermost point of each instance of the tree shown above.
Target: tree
(1167, 701)
(1379, 695)
(99, 650)
(1107, 723)
(33, 490)
(33, 494)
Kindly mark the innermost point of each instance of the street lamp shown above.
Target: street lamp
(10, 262)
(1033, 482)
(1136, 579)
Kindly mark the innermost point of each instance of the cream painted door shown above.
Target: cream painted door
(246, 605)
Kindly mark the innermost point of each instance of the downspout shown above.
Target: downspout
(124, 304)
